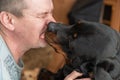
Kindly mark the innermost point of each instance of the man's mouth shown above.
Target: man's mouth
(43, 33)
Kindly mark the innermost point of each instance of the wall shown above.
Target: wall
(61, 8)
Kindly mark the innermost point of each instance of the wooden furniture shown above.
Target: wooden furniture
(115, 16)
(62, 7)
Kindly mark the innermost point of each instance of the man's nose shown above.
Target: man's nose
(51, 19)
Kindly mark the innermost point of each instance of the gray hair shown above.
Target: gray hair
(13, 6)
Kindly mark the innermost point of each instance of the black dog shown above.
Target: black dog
(92, 48)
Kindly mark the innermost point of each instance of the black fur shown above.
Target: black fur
(92, 48)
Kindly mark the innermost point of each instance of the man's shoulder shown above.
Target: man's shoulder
(0, 57)
(0, 70)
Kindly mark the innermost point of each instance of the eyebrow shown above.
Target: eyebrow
(44, 12)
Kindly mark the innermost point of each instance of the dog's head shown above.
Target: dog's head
(83, 38)
(61, 35)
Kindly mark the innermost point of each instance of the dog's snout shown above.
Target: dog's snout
(51, 27)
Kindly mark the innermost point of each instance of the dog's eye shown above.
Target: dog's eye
(75, 35)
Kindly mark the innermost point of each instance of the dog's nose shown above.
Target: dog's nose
(51, 27)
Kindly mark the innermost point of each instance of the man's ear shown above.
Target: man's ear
(7, 20)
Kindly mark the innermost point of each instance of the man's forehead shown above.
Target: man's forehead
(38, 6)
(39, 3)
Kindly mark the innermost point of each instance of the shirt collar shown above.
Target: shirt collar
(7, 57)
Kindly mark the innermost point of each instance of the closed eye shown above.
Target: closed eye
(44, 14)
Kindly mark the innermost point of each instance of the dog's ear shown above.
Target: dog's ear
(83, 28)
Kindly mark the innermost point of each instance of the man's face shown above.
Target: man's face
(31, 27)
